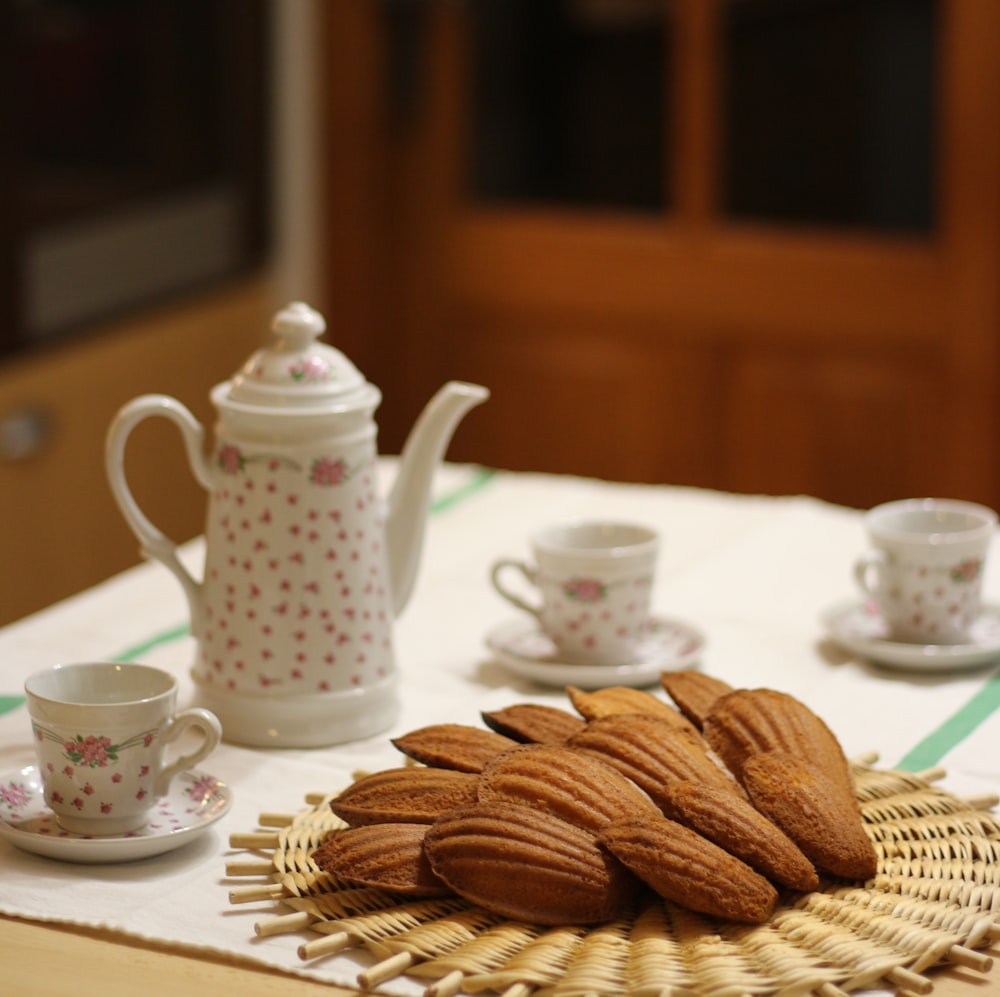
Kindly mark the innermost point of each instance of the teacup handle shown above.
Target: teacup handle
(868, 570)
(531, 575)
(208, 723)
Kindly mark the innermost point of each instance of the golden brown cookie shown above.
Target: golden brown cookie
(453, 746)
(750, 721)
(732, 823)
(622, 699)
(410, 795)
(568, 784)
(694, 693)
(528, 865)
(813, 810)
(534, 723)
(652, 753)
(387, 856)
(690, 870)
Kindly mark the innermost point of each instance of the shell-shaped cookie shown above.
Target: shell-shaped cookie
(694, 693)
(453, 746)
(528, 865)
(751, 721)
(688, 869)
(388, 856)
(568, 784)
(652, 753)
(534, 723)
(411, 795)
(732, 823)
(813, 810)
(617, 699)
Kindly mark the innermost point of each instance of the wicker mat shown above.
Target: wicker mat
(935, 900)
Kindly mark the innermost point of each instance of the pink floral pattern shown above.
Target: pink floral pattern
(311, 370)
(231, 459)
(91, 751)
(585, 589)
(326, 472)
(965, 571)
(203, 789)
(14, 796)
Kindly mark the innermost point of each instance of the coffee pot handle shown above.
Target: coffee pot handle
(153, 543)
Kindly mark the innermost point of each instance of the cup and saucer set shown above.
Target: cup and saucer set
(921, 607)
(591, 626)
(102, 789)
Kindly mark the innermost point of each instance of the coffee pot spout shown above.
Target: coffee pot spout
(409, 499)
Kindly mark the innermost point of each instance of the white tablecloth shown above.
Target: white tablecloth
(752, 573)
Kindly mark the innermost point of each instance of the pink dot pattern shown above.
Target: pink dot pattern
(296, 577)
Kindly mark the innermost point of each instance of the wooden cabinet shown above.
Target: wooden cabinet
(689, 339)
(60, 530)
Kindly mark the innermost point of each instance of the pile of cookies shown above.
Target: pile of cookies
(556, 816)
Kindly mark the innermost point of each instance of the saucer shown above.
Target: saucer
(859, 627)
(524, 649)
(193, 803)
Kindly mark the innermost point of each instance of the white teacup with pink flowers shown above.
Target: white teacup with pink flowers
(594, 582)
(100, 731)
(924, 569)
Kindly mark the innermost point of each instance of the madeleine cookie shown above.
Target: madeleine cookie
(652, 753)
(453, 746)
(575, 787)
(690, 870)
(616, 699)
(813, 810)
(409, 795)
(732, 823)
(387, 856)
(525, 864)
(694, 693)
(534, 723)
(750, 721)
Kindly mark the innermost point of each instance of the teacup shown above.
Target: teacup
(925, 567)
(594, 582)
(100, 733)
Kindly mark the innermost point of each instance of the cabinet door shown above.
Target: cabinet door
(743, 244)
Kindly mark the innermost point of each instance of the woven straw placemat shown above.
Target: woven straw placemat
(935, 900)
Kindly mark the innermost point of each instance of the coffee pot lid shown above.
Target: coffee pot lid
(295, 371)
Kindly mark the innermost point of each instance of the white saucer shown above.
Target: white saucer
(524, 649)
(193, 803)
(859, 627)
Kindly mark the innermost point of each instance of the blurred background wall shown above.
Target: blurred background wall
(741, 244)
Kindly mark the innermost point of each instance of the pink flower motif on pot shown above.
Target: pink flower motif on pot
(325, 471)
(310, 369)
(231, 459)
(965, 571)
(585, 589)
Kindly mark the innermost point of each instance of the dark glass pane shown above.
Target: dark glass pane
(828, 112)
(569, 102)
(121, 99)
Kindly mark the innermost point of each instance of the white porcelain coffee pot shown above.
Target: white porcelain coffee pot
(305, 566)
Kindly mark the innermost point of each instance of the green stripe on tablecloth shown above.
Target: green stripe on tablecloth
(929, 752)
(8, 703)
(166, 637)
(478, 481)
